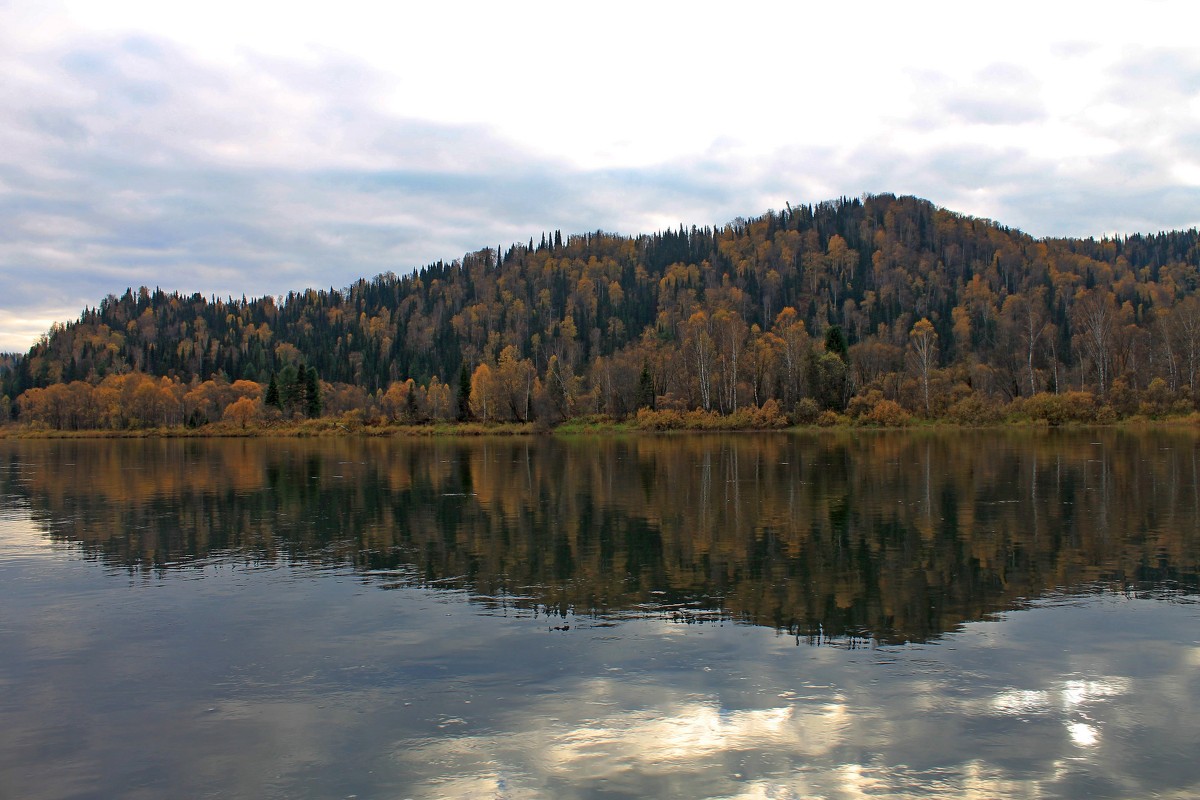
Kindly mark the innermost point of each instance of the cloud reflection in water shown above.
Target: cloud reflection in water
(879, 723)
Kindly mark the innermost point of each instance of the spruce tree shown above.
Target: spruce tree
(291, 388)
(312, 393)
(463, 409)
(835, 342)
(272, 398)
(411, 412)
(645, 391)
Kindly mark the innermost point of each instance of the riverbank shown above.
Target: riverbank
(583, 426)
(312, 428)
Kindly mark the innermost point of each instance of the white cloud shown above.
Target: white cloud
(256, 147)
(18, 331)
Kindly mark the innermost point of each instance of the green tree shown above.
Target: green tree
(312, 393)
(463, 399)
(291, 388)
(411, 412)
(835, 342)
(645, 390)
(828, 379)
(272, 396)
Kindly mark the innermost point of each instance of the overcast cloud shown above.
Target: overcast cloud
(258, 148)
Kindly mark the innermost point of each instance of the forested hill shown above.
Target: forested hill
(902, 293)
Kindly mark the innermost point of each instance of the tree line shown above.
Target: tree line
(879, 308)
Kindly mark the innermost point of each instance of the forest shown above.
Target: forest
(878, 310)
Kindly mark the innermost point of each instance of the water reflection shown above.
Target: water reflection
(209, 619)
(892, 537)
(913, 724)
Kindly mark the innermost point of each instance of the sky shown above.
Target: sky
(255, 148)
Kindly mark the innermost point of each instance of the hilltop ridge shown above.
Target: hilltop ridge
(826, 302)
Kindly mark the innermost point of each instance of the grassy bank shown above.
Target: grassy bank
(694, 422)
(313, 428)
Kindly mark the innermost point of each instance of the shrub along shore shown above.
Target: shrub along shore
(1036, 412)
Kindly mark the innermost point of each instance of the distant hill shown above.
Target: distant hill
(713, 318)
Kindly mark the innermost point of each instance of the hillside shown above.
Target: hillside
(881, 297)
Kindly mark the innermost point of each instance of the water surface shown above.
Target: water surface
(682, 616)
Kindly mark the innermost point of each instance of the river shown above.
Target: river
(836, 615)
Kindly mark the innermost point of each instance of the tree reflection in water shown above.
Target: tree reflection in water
(875, 536)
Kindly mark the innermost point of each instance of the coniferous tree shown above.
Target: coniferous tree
(312, 393)
(835, 342)
(291, 388)
(645, 393)
(463, 409)
(410, 403)
(828, 378)
(272, 397)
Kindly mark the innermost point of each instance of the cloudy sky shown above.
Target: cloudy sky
(251, 147)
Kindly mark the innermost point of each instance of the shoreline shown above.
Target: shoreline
(330, 428)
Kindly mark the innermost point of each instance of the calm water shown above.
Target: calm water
(889, 615)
